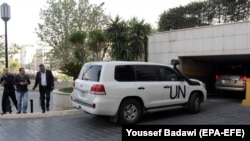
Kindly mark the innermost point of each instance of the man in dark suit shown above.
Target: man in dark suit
(45, 80)
(7, 81)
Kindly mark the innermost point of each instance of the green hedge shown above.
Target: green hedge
(66, 89)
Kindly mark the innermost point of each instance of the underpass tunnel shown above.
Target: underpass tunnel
(195, 68)
(205, 68)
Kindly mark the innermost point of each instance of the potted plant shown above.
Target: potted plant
(61, 96)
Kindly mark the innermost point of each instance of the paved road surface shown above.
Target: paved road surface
(84, 127)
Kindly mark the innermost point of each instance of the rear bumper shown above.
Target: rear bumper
(105, 108)
(240, 89)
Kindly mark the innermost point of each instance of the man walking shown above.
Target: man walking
(45, 80)
(22, 81)
(7, 81)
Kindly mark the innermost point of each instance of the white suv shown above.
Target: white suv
(126, 90)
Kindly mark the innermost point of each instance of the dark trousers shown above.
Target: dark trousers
(5, 97)
(44, 97)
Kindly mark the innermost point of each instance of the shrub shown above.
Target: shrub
(66, 89)
(71, 69)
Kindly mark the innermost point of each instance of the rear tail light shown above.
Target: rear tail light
(244, 78)
(98, 89)
(217, 77)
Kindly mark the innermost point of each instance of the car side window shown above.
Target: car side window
(167, 74)
(124, 73)
(147, 73)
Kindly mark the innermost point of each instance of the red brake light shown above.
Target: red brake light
(217, 77)
(244, 78)
(98, 89)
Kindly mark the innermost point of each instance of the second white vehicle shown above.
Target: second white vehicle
(126, 90)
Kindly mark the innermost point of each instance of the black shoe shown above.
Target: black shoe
(18, 113)
(43, 111)
(3, 113)
(47, 108)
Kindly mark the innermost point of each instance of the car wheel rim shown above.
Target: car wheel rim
(130, 112)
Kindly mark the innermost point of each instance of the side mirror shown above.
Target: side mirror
(175, 62)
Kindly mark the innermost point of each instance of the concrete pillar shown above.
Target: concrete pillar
(246, 101)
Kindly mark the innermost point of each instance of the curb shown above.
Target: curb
(42, 115)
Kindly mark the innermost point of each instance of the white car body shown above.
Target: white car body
(152, 95)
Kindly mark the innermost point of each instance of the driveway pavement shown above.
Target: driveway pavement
(84, 127)
(75, 125)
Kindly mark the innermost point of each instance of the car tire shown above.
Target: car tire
(130, 112)
(194, 103)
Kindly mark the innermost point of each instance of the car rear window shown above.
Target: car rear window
(91, 73)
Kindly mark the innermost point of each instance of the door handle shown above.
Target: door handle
(141, 88)
(166, 86)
